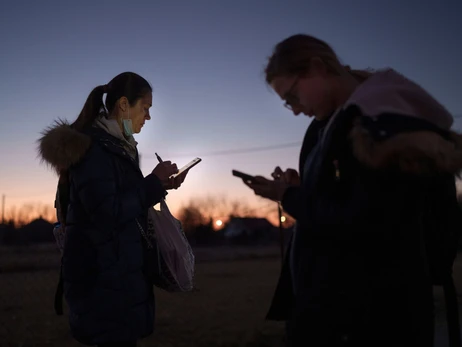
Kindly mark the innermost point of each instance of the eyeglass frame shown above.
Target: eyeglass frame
(291, 100)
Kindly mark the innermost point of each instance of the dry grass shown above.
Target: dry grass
(228, 309)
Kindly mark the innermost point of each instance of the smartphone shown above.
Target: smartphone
(246, 177)
(189, 165)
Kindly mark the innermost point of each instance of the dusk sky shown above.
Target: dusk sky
(205, 61)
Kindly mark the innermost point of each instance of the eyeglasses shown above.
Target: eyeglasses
(291, 99)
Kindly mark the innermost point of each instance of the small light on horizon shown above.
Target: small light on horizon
(219, 223)
(283, 219)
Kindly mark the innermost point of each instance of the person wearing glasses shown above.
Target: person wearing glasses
(376, 173)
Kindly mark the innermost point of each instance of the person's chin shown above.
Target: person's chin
(321, 116)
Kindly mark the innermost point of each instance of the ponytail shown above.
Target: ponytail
(127, 84)
(92, 109)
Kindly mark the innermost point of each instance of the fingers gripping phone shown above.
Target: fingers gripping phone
(188, 166)
(246, 177)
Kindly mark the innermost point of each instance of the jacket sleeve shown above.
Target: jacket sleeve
(94, 180)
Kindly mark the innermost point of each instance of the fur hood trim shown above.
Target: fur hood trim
(419, 152)
(61, 146)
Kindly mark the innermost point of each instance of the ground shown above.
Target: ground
(234, 289)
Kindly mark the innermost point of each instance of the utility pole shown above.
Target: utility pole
(3, 209)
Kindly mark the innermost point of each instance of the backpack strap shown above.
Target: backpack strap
(452, 312)
(61, 205)
(59, 294)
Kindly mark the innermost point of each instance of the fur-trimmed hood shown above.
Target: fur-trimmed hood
(387, 91)
(61, 146)
(422, 151)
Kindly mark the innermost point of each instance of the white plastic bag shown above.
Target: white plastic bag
(176, 259)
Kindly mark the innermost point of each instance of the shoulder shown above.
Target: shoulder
(404, 143)
(62, 147)
(100, 154)
(103, 143)
(389, 92)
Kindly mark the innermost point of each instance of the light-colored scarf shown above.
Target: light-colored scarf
(112, 127)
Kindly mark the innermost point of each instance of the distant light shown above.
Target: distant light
(283, 219)
(219, 223)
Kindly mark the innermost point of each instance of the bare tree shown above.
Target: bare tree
(219, 207)
(206, 210)
(46, 212)
(191, 217)
(11, 215)
(28, 212)
(24, 214)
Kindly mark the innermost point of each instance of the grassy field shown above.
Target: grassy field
(228, 309)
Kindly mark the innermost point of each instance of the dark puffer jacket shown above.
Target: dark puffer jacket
(376, 183)
(109, 296)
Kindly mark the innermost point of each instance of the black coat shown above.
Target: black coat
(361, 275)
(105, 286)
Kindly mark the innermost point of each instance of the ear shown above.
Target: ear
(123, 104)
(318, 67)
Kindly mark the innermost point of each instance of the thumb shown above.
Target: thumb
(260, 180)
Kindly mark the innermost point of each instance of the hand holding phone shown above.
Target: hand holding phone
(270, 189)
(246, 177)
(164, 170)
(188, 166)
(290, 176)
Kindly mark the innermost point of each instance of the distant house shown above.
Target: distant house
(249, 231)
(11, 236)
(5, 231)
(37, 231)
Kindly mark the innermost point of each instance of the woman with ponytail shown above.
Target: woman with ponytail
(102, 200)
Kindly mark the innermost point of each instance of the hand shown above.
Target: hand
(273, 190)
(290, 176)
(176, 181)
(164, 171)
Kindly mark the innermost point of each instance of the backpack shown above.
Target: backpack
(59, 229)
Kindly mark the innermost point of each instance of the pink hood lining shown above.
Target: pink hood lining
(387, 91)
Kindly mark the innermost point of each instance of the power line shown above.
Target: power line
(243, 150)
(3, 209)
(234, 151)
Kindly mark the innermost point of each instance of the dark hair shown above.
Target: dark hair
(293, 55)
(128, 84)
